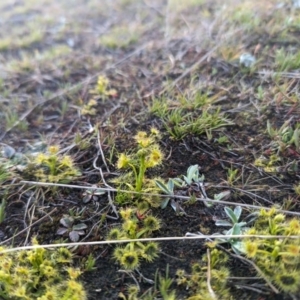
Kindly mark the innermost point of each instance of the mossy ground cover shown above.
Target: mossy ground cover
(84, 87)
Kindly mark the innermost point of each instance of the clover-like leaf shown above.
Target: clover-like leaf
(67, 221)
(74, 236)
(80, 226)
(61, 230)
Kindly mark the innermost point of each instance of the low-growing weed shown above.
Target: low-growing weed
(52, 167)
(232, 176)
(282, 255)
(286, 61)
(237, 226)
(40, 274)
(102, 88)
(134, 227)
(11, 118)
(285, 136)
(192, 183)
(147, 155)
(73, 230)
(162, 287)
(119, 37)
(214, 263)
(195, 115)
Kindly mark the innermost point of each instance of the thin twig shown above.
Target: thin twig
(173, 238)
(132, 276)
(247, 287)
(259, 271)
(29, 227)
(101, 151)
(144, 278)
(101, 173)
(293, 213)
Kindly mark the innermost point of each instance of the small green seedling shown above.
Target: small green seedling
(285, 136)
(89, 264)
(167, 189)
(237, 228)
(102, 88)
(192, 175)
(286, 61)
(194, 182)
(222, 196)
(232, 175)
(74, 231)
(233, 215)
(165, 285)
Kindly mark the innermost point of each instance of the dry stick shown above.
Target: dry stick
(27, 208)
(101, 173)
(247, 193)
(36, 222)
(282, 74)
(29, 227)
(210, 290)
(259, 271)
(144, 278)
(129, 273)
(67, 90)
(101, 151)
(173, 238)
(246, 287)
(293, 213)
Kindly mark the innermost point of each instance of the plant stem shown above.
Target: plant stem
(140, 177)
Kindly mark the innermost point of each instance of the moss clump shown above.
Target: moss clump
(52, 167)
(132, 227)
(282, 255)
(39, 274)
(196, 282)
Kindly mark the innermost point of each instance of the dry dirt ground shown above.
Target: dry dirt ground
(218, 79)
